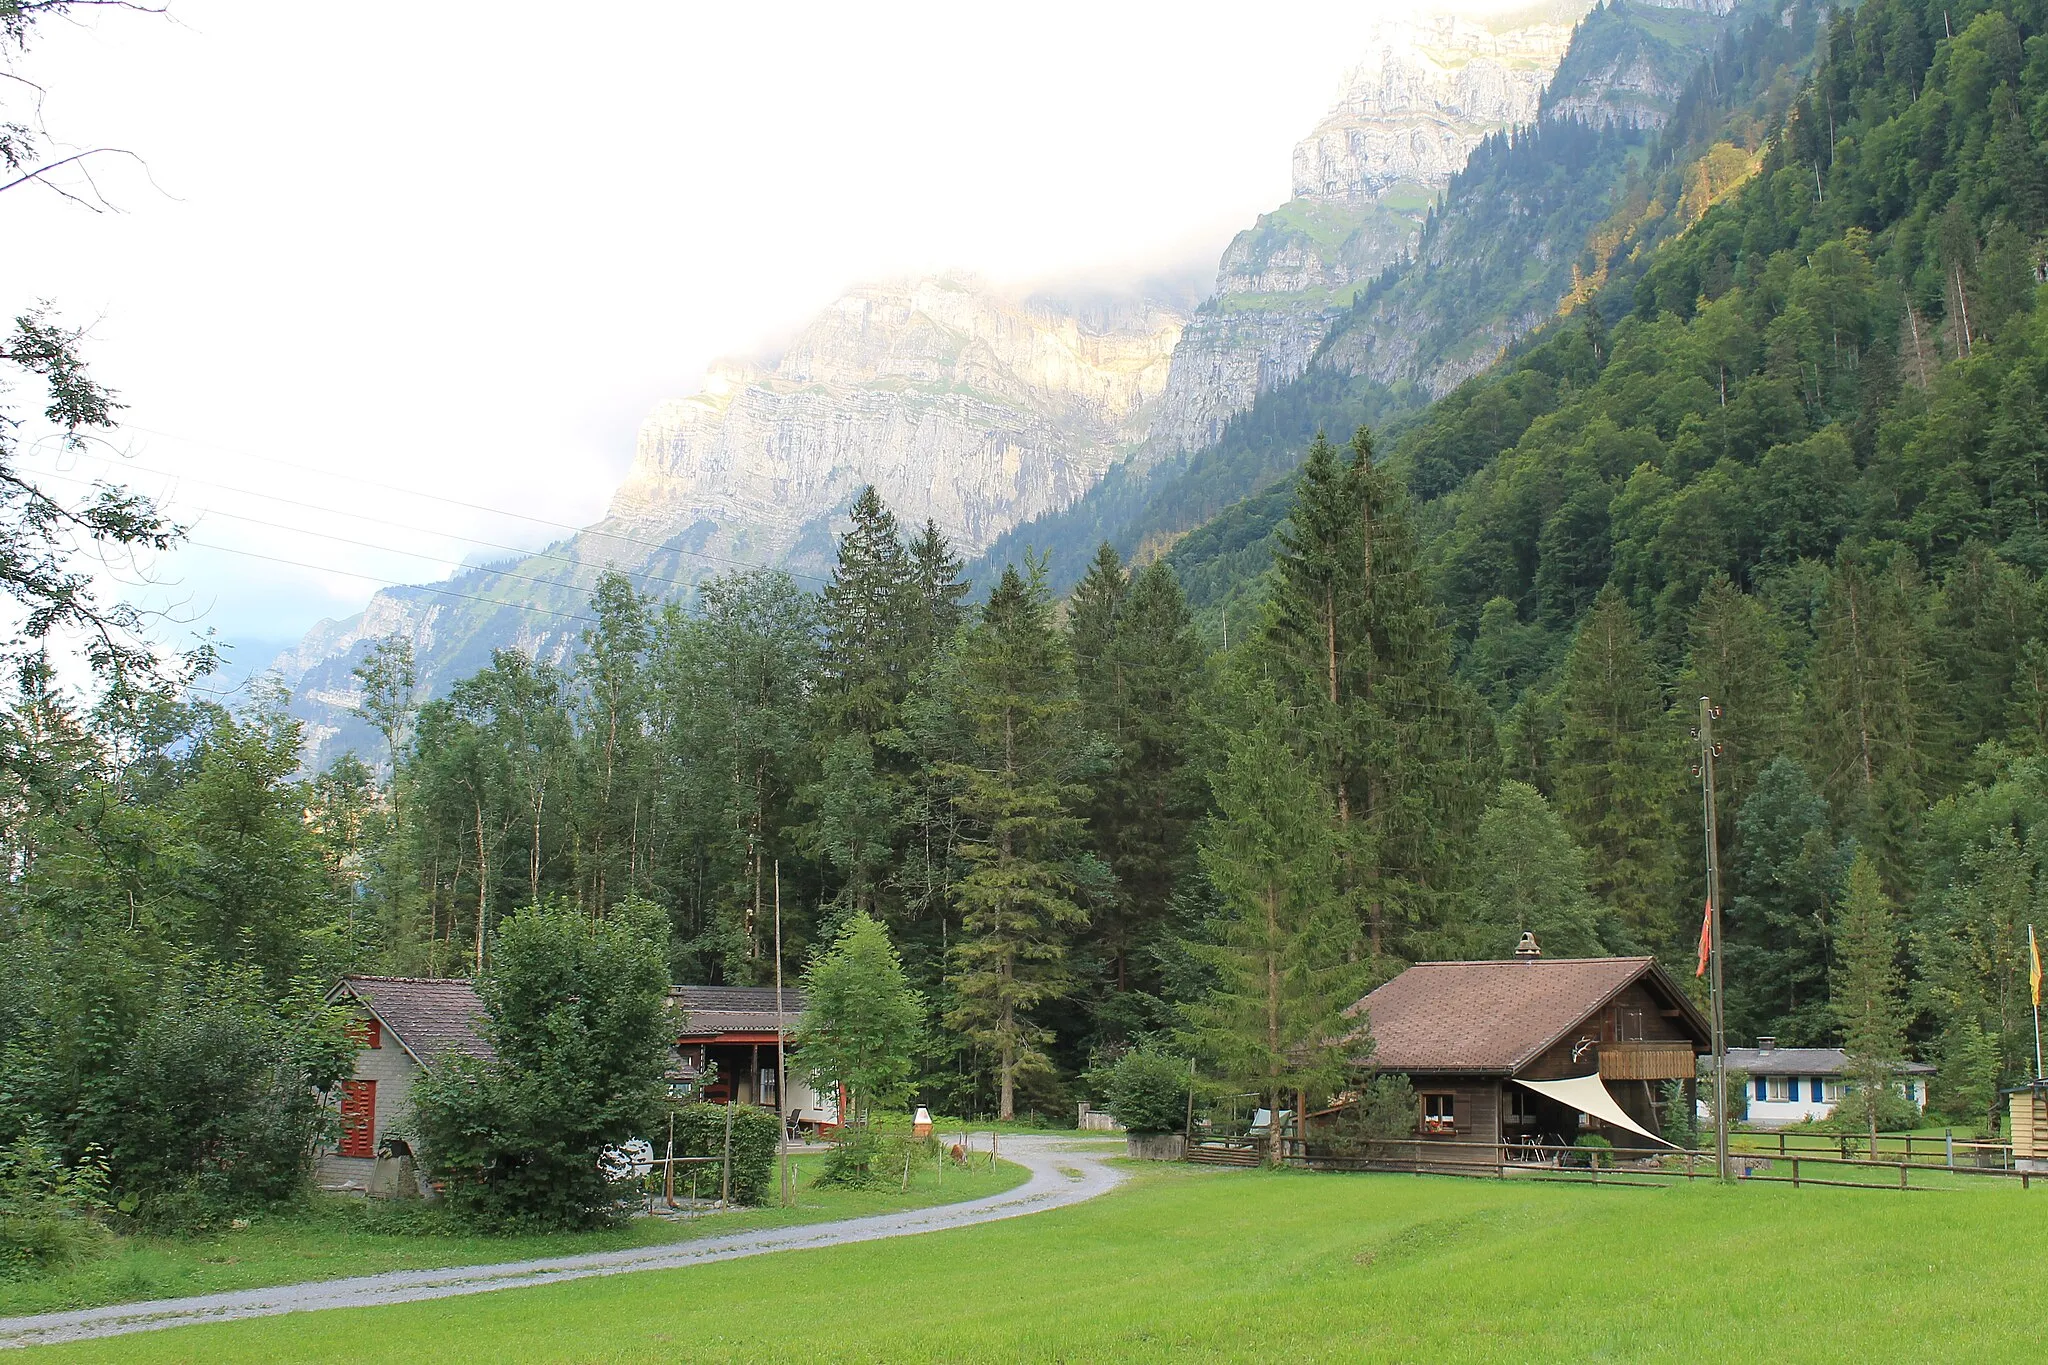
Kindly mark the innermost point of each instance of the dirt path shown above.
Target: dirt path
(1062, 1172)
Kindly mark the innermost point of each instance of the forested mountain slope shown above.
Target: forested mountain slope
(1492, 261)
(1793, 457)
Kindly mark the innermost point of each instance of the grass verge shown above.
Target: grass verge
(1258, 1266)
(337, 1236)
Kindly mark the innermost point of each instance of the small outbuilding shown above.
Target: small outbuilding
(404, 1026)
(1532, 1049)
(1794, 1084)
(725, 1048)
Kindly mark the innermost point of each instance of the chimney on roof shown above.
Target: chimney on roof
(1527, 947)
(1766, 1043)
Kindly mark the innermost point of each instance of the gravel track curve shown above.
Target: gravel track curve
(1063, 1172)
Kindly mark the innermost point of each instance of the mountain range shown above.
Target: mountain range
(1463, 189)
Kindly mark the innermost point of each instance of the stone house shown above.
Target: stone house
(404, 1026)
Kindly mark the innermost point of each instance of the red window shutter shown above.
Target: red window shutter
(358, 1118)
(367, 1032)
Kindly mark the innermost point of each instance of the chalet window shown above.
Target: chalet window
(1629, 1026)
(1911, 1096)
(1439, 1114)
(767, 1087)
(1779, 1091)
(358, 1118)
(1521, 1108)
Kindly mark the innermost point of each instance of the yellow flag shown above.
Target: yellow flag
(2034, 973)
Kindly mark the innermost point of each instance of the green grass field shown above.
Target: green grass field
(1199, 1264)
(339, 1236)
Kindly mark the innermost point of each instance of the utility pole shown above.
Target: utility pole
(1704, 768)
(781, 1070)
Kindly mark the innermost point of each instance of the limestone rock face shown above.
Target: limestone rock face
(958, 404)
(1429, 88)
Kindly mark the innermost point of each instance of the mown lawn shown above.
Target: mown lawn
(1220, 1265)
(338, 1236)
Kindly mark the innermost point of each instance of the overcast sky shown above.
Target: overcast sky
(460, 248)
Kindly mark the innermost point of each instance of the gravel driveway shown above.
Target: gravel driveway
(1062, 1172)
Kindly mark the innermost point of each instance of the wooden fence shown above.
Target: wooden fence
(1601, 1166)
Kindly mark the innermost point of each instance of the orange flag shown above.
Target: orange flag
(1707, 943)
(2034, 975)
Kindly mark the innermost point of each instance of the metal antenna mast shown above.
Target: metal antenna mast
(1709, 751)
(781, 1045)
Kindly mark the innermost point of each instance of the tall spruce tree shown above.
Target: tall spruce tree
(1025, 846)
(869, 613)
(1281, 949)
(1870, 712)
(1138, 663)
(938, 589)
(1866, 993)
(1352, 640)
(1618, 766)
(1736, 655)
(1787, 871)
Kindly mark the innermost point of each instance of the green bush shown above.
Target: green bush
(575, 1012)
(1384, 1109)
(1148, 1092)
(700, 1131)
(49, 1212)
(1589, 1149)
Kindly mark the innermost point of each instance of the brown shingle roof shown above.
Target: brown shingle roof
(711, 1010)
(1492, 1017)
(432, 1016)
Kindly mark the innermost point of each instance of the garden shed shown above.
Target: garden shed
(725, 1048)
(1534, 1049)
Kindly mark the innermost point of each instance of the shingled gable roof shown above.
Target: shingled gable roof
(1494, 1018)
(431, 1016)
(709, 1011)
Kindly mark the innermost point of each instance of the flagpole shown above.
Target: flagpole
(781, 1070)
(1708, 752)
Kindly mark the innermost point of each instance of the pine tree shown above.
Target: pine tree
(936, 610)
(1527, 874)
(1786, 872)
(1280, 949)
(1865, 992)
(1353, 641)
(1869, 717)
(1138, 664)
(1737, 657)
(869, 612)
(1618, 765)
(1014, 697)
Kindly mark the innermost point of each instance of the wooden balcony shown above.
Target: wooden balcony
(1647, 1061)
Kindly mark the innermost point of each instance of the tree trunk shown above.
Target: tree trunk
(1274, 1060)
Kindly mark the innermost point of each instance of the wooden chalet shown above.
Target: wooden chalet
(1501, 1053)
(725, 1049)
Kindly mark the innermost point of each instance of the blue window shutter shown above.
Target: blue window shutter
(1816, 1091)
(1759, 1087)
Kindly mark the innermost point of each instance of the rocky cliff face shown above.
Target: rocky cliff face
(1430, 88)
(960, 403)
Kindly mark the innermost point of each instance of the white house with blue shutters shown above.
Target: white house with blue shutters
(1793, 1084)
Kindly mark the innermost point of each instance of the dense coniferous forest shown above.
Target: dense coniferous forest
(1788, 451)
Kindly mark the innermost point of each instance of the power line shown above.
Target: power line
(416, 554)
(452, 502)
(394, 583)
(519, 550)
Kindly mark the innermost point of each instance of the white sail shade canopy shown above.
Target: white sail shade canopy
(1589, 1095)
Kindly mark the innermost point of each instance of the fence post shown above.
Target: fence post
(1795, 1172)
(1781, 1142)
(1902, 1173)
(1948, 1137)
